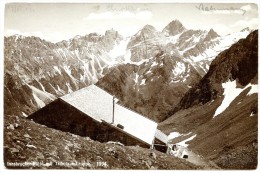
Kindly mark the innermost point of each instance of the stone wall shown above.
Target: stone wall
(160, 146)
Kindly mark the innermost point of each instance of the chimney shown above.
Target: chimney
(113, 113)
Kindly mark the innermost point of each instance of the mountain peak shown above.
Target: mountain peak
(213, 33)
(149, 27)
(173, 28)
(113, 35)
(246, 29)
(77, 37)
(147, 30)
(111, 32)
(176, 22)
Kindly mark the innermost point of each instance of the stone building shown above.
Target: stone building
(93, 112)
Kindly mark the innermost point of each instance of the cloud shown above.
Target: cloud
(10, 32)
(246, 7)
(56, 37)
(38, 34)
(144, 15)
(252, 23)
(110, 15)
(222, 29)
(52, 36)
(250, 8)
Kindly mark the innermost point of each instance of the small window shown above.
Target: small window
(185, 156)
(120, 126)
(174, 147)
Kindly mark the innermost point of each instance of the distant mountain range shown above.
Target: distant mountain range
(41, 70)
(36, 71)
(160, 67)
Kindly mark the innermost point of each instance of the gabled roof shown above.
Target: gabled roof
(98, 104)
(93, 101)
(135, 124)
(161, 136)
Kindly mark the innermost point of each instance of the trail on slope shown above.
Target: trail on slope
(199, 161)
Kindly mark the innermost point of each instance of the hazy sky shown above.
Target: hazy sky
(55, 22)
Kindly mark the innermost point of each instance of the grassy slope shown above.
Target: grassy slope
(230, 139)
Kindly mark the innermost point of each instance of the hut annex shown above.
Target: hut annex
(160, 142)
(93, 112)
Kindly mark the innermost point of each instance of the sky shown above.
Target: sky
(61, 21)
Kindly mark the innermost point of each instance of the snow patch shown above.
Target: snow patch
(38, 101)
(41, 94)
(56, 68)
(148, 72)
(136, 78)
(211, 102)
(69, 87)
(67, 69)
(24, 114)
(42, 86)
(77, 53)
(174, 81)
(173, 135)
(254, 89)
(207, 66)
(252, 114)
(127, 59)
(143, 81)
(81, 78)
(119, 49)
(57, 92)
(140, 62)
(178, 69)
(230, 93)
(154, 64)
(60, 90)
(183, 143)
(184, 79)
(173, 39)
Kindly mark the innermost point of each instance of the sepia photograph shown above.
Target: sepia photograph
(129, 85)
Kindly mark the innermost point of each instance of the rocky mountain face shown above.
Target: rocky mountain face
(239, 62)
(221, 110)
(198, 47)
(177, 57)
(37, 71)
(145, 43)
(173, 28)
(162, 68)
(152, 87)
